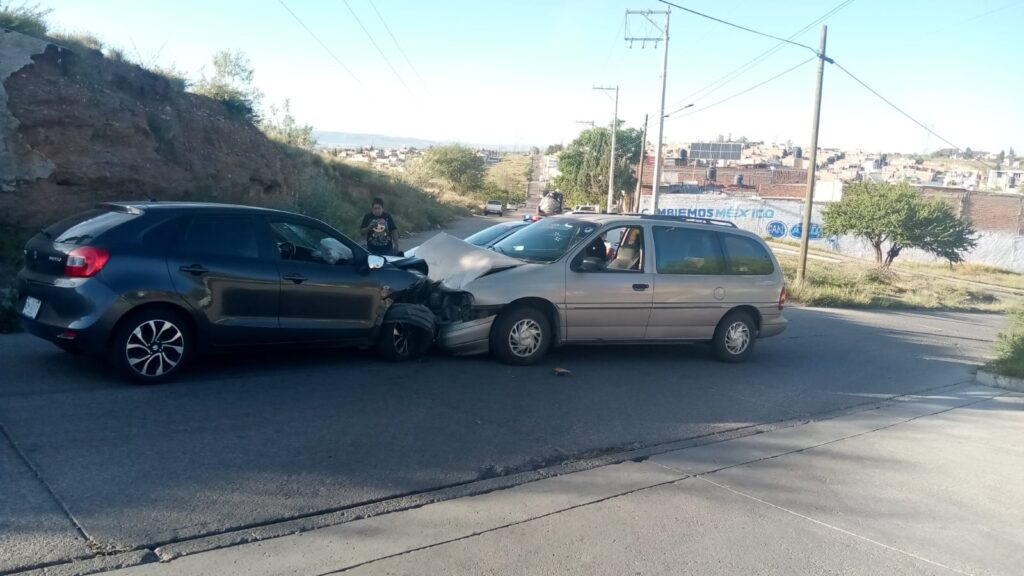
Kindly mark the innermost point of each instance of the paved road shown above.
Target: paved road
(89, 464)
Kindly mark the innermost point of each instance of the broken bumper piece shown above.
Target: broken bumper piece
(466, 338)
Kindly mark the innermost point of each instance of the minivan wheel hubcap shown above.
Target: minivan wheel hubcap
(525, 337)
(155, 348)
(737, 338)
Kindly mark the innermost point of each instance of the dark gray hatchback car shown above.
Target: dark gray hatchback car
(150, 284)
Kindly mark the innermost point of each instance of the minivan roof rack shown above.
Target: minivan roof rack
(711, 221)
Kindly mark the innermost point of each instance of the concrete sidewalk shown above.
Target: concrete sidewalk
(922, 485)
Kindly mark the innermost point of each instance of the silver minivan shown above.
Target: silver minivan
(611, 279)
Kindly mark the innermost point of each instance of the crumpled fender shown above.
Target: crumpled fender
(414, 314)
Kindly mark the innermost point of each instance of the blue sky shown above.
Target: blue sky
(522, 71)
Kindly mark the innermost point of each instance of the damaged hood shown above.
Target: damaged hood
(455, 263)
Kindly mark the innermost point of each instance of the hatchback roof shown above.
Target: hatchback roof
(183, 206)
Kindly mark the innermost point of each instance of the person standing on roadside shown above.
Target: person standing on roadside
(379, 228)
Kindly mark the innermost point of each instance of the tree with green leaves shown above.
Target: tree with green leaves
(584, 165)
(232, 84)
(457, 165)
(553, 149)
(894, 217)
(283, 127)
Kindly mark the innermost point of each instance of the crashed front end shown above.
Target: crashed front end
(463, 324)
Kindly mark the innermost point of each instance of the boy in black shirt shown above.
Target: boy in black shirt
(379, 228)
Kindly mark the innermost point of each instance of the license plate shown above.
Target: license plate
(31, 307)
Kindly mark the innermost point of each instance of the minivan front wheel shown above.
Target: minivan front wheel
(521, 335)
(151, 346)
(734, 337)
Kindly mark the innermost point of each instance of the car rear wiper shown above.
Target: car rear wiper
(74, 239)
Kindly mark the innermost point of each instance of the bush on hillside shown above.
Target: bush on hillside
(24, 17)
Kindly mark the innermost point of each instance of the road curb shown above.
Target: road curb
(96, 564)
(998, 381)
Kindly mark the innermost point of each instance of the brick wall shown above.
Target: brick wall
(985, 210)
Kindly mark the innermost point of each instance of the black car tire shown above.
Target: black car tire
(401, 341)
(521, 336)
(735, 337)
(167, 335)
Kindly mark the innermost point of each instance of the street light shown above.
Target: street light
(690, 105)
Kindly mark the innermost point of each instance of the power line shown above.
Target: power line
(315, 37)
(743, 68)
(381, 52)
(744, 28)
(399, 46)
(742, 92)
(895, 107)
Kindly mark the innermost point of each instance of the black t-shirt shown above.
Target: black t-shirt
(381, 228)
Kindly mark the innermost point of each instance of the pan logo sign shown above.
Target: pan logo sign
(776, 229)
(796, 231)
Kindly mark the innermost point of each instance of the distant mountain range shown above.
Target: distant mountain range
(328, 139)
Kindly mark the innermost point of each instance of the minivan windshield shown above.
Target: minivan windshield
(546, 240)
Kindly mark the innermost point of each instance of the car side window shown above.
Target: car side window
(221, 235)
(309, 244)
(745, 256)
(680, 250)
(616, 250)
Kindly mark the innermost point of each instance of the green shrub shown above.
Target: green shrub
(24, 17)
(1010, 348)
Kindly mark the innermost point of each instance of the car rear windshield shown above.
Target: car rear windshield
(85, 227)
(546, 240)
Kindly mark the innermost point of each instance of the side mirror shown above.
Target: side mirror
(375, 262)
(591, 265)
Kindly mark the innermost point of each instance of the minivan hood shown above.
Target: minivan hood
(455, 263)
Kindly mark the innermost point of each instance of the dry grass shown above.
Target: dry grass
(855, 285)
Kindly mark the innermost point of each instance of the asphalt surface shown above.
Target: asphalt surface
(91, 465)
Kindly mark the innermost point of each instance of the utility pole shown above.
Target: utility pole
(664, 78)
(640, 170)
(611, 164)
(805, 228)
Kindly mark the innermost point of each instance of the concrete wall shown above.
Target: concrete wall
(782, 219)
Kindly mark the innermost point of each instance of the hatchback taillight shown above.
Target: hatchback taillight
(782, 298)
(85, 262)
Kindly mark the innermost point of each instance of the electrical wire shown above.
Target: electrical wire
(321, 43)
(381, 52)
(742, 92)
(743, 68)
(894, 107)
(399, 46)
(744, 28)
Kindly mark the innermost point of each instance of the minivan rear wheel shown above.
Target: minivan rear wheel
(521, 335)
(734, 337)
(151, 346)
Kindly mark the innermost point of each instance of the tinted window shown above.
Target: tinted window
(87, 226)
(686, 251)
(746, 256)
(221, 236)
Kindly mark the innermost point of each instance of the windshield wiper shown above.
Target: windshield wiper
(73, 239)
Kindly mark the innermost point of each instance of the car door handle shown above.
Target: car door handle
(297, 278)
(641, 287)
(195, 269)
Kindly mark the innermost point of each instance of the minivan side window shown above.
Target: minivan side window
(221, 235)
(745, 256)
(618, 249)
(681, 250)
